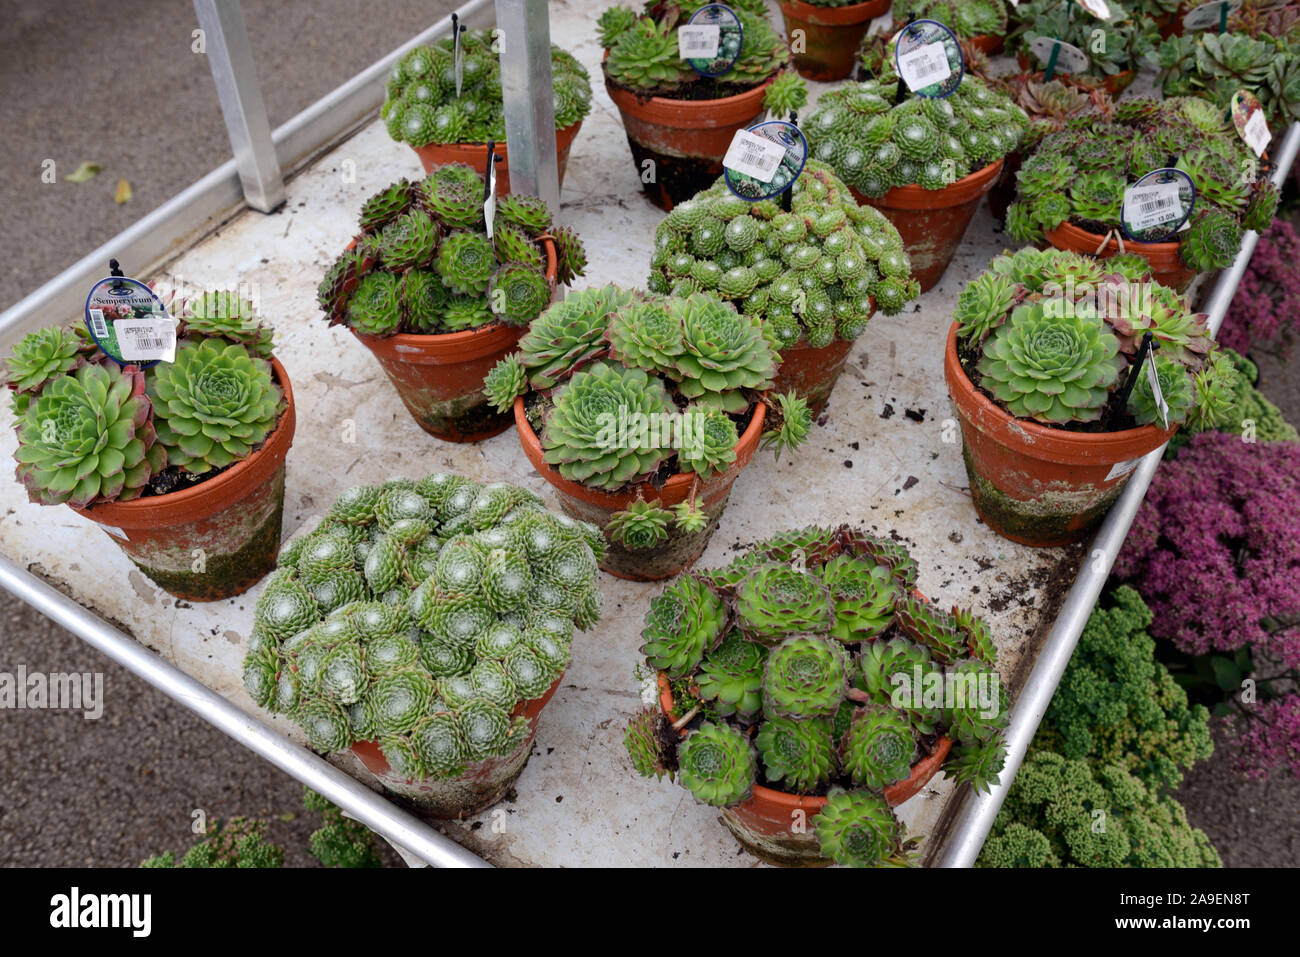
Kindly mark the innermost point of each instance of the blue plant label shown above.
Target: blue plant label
(1058, 56)
(765, 160)
(1211, 16)
(129, 322)
(712, 41)
(1157, 205)
(929, 58)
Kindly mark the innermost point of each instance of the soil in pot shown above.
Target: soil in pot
(1036, 485)
(475, 155)
(932, 222)
(681, 549)
(1167, 264)
(214, 539)
(830, 36)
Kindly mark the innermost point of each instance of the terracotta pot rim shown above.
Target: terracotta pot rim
(674, 489)
(921, 771)
(834, 16)
(915, 196)
(138, 512)
(1067, 231)
(690, 114)
(1040, 440)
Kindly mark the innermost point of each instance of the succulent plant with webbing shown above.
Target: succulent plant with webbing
(452, 604)
(973, 18)
(1052, 336)
(801, 664)
(424, 264)
(422, 105)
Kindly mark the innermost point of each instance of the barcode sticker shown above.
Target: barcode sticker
(1256, 134)
(1152, 205)
(753, 155)
(1122, 468)
(1154, 381)
(147, 338)
(97, 324)
(924, 66)
(1097, 8)
(698, 41)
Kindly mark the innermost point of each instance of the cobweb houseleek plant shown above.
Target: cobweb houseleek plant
(420, 614)
(1052, 337)
(783, 668)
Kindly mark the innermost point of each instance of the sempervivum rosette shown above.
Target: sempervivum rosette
(786, 664)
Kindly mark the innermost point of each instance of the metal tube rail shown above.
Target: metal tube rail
(395, 825)
(974, 819)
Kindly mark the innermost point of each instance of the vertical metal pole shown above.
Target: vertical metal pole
(524, 41)
(231, 59)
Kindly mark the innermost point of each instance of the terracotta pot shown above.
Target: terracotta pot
(685, 140)
(216, 539)
(440, 377)
(596, 506)
(475, 155)
(932, 222)
(764, 823)
(812, 373)
(1037, 485)
(987, 43)
(483, 784)
(1166, 263)
(831, 35)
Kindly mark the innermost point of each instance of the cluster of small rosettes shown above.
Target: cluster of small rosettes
(422, 107)
(422, 615)
(789, 661)
(424, 263)
(813, 275)
(966, 18)
(875, 144)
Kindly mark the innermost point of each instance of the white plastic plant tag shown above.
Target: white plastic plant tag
(1097, 8)
(1069, 58)
(1208, 16)
(147, 338)
(1154, 381)
(458, 60)
(698, 41)
(1257, 134)
(490, 204)
(753, 155)
(114, 531)
(924, 66)
(1120, 469)
(1153, 205)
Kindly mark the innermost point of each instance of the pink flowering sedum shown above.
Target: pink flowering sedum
(1266, 308)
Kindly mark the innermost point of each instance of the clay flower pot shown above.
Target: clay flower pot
(475, 155)
(831, 35)
(596, 506)
(812, 373)
(1167, 264)
(216, 539)
(767, 824)
(440, 377)
(684, 140)
(483, 784)
(987, 43)
(1033, 484)
(932, 222)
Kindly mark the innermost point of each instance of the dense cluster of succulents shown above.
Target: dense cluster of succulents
(1053, 105)
(814, 274)
(1052, 336)
(422, 106)
(1216, 66)
(91, 431)
(1113, 46)
(875, 144)
(643, 54)
(634, 382)
(424, 263)
(1080, 174)
(966, 18)
(420, 614)
(783, 663)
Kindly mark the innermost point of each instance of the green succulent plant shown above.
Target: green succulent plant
(775, 601)
(716, 763)
(422, 105)
(968, 19)
(858, 829)
(800, 754)
(639, 526)
(684, 623)
(882, 662)
(879, 747)
(787, 93)
(731, 676)
(863, 594)
(805, 677)
(1113, 46)
(223, 314)
(648, 742)
(39, 357)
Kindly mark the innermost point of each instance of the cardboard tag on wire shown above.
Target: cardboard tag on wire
(1251, 123)
(129, 323)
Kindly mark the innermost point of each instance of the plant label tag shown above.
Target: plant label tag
(1157, 205)
(129, 323)
(1256, 133)
(1248, 117)
(698, 41)
(1154, 381)
(755, 156)
(1120, 469)
(712, 41)
(458, 59)
(1098, 8)
(1210, 15)
(490, 204)
(114, 531)
(1069, 58)
(929, 58)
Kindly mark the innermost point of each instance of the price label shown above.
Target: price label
(698, 41)
(1153, 380)
(147, 340)
(129, 323)
(1157, 205)
(1098, 8)
(1256, 133)
(1210, 15)
(1069, 58)
(1252, 125)
(1120, 469)
(765, 160)
(924, 66)
(1153, 205)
